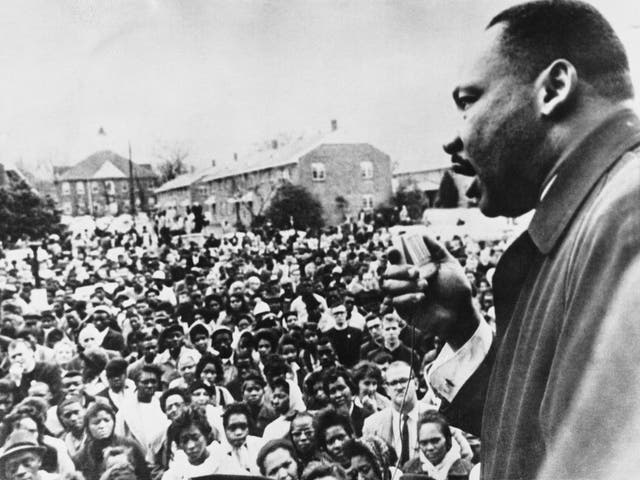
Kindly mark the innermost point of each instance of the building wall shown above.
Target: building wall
(244, 195)
(344, 176)
(102, 197)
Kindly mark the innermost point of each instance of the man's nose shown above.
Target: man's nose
(454, 146)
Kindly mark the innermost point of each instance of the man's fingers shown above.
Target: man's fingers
(401, 272)
(407, 301)
(438, 251)
(395, 288)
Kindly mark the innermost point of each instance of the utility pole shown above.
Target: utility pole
(132, 194)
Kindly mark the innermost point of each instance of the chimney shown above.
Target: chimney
(2, 176)
(334, 125)
(235, 157)
(213, 162)
(274, 144)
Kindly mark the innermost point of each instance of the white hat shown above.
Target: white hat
(159, 275)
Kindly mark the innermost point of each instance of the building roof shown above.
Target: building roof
(105, 165)
(181, 181)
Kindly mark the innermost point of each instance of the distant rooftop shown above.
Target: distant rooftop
(105, 165)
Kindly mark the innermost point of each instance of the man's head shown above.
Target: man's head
(20, 457)
(21, 354)
(235, 421)
(546, 70)
(173, 401)
(326, 352)
(401, 386)
(116, 371)
(71, 415)
(374, 327)
(339, 314)
(72, 384)
(391, 330)
(276, 460)
(253, 387)
(148, 382)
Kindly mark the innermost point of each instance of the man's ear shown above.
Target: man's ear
(556, 87)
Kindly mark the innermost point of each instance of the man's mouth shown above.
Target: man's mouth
(462, 166)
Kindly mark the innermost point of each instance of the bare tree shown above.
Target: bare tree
(172, 161)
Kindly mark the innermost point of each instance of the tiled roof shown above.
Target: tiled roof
(105, 164)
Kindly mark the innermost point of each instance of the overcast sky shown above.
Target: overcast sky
(217, 77)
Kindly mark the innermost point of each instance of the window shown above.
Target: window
(367, 202)
(286, 175)
(66, 207)
(95, 187)
(80, 188)
(317, 172)
(367, 169)
(66, 188)
(125, 187)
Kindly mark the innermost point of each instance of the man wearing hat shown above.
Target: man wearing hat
(165, 293)
(21, 458)
(172, 340)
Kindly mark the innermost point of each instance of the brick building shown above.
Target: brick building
(428, 182)
(345, 177)
(100, 185)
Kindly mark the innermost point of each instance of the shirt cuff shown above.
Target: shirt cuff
(451, 369)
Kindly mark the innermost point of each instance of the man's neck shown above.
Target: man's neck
(407, 407)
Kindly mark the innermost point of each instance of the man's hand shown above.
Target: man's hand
(436, 297)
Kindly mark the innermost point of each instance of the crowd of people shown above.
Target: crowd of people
(265, 353)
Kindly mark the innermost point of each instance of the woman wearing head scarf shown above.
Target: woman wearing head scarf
(99, 424)
(370, 458)
(439, 457)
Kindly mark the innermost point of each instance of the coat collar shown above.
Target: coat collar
(580, 169)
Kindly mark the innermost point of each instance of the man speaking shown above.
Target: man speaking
(545, 124)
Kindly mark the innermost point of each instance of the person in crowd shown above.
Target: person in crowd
(302, 435)
(391, 343)
(253, 388)
(23, 369)
(368, 379)
(281, 405)
(239, 450)
(370, 458)
(71, 414)
(29, 416)
(21, 458)
(324, 470)
(120, 389)
(373, 326)
(439, 456)
(110, 338)
(346, 340)
(339, 387)
(140, 417)
(191, 432)
(332, 431)
(209, 370)
(148, 355)
(99, 424)
(277, 461)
